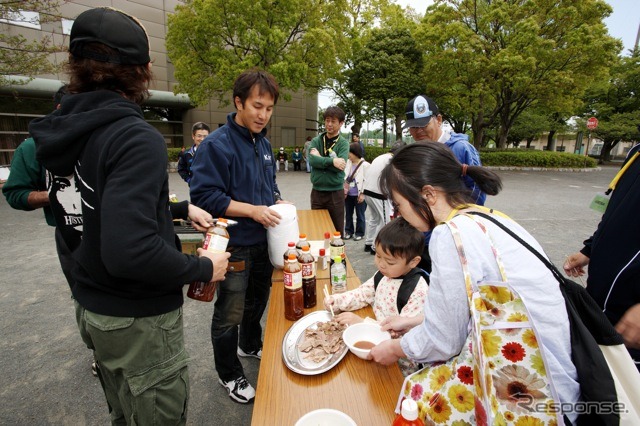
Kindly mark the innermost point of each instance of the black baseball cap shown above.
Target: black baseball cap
(113, 28)
(419, 111)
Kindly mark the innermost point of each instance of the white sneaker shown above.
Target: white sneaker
(239, 389)
(254, 354)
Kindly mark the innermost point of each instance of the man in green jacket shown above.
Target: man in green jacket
(328, 155)
(26, 189)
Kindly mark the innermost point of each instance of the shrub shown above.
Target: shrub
(529, 158)
(173, 154)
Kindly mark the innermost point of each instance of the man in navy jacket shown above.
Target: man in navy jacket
(234, 177)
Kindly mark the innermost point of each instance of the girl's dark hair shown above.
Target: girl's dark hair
(87, 75)
(433, 163)
(334, 112)
(244, 84)
(400, 239)
(199, 126)
(355, 149)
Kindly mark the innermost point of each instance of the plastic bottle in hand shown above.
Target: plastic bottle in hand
(408, 414)
(215, 241)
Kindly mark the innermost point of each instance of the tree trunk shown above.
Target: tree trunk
(529, 142)
(502, 137)
(605, 154)
(398, 127)
(477, 129)
(384, 123)
(550, 140)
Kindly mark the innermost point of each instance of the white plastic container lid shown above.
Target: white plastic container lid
(409, 409)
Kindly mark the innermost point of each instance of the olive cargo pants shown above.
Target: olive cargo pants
(142, 365)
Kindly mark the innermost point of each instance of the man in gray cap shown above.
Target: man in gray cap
(424, 122)
(129, 271)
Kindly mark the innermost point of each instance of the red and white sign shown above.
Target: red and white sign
(592, 123)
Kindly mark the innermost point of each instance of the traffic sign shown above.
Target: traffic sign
(592, 123)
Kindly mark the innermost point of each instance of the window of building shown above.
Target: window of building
(66, 26)
(23, 18)
(288, 136)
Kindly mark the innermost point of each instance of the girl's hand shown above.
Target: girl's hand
(348, 318)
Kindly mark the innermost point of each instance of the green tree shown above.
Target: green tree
(616, 105)
(495, 59)
(530, 125)
(20, 55)
(210, 42)
(385, 69)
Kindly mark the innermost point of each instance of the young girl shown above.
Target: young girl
(398, 288)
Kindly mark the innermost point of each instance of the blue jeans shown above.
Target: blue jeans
(351, 204)
(242, 299)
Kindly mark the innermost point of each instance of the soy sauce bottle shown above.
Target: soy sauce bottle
(308, 265)
(215, 241)
(293, 297)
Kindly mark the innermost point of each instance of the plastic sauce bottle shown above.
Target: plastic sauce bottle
(323, 261)
(338, 276)
(337, 245)
(215, 241)
(308, 265)
(408, 415)
(327, 241)
(302, 242)
(291, 249)
(293, 297)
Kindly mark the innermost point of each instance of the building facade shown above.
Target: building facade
(173, 115)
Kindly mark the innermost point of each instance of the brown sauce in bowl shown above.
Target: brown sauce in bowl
(363, 344)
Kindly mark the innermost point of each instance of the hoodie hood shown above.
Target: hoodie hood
(62, 135)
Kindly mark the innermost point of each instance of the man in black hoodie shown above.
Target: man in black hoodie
(129, 271)
(613, 256)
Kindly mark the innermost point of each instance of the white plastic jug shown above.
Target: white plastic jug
(283, 233)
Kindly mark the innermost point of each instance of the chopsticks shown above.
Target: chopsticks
(326, 295)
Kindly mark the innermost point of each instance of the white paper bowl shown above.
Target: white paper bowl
(363, 331)
(325, 417)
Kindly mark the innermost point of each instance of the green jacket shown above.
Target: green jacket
(325, 177)
(26, 175)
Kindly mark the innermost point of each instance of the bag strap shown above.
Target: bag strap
(556, 273)
(350, 178)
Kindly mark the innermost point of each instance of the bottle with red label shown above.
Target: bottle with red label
(308, 265)
(215, 241)
(408, 415)
(293, 297)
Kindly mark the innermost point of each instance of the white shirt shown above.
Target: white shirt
(372, 176)
(446, 310)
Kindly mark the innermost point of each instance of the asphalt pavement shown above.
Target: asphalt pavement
(45, 375)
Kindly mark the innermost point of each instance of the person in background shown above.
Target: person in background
(129, 273)
(282, 159)
(356, 138)
(234, 177)
(305, 153)
(26, 189)
(199, 131)
(328, 157)
(397, 288)
(613, 256)
(379, 207)
(426, 182)
(354, 200)
(297, 159)
(424, 122)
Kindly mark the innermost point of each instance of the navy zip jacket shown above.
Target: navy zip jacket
(231, 165)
